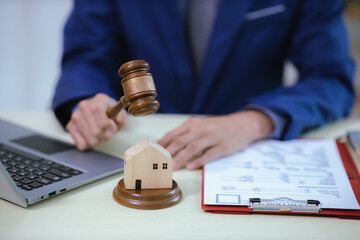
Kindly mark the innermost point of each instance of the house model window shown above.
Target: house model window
(155, 166)
(142, 160)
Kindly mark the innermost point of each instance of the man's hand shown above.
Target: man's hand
(89, 124)
(202, 139)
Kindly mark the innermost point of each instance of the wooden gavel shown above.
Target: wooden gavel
(139, 90)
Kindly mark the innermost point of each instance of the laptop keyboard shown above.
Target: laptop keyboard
(30, 171)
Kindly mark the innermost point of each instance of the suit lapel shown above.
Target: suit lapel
(226, 29)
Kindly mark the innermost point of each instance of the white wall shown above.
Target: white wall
(30, 50)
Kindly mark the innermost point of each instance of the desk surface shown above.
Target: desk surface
(89, 212)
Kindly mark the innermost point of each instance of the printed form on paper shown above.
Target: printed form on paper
(299, 169)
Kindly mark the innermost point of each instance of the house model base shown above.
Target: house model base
(147, 198)
(147, 182)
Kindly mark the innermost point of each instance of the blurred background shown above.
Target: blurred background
(31, 45)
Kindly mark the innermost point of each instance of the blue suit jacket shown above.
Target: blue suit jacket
(244, 62)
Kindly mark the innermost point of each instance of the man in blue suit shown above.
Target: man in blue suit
(231, 66)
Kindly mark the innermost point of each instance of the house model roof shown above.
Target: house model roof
(146, 142)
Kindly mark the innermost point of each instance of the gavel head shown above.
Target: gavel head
(139, 88)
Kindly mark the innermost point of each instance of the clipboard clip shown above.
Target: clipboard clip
(284, 204)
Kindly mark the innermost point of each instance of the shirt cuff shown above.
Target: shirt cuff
(278, 120)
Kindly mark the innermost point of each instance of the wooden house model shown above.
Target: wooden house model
(147, 166)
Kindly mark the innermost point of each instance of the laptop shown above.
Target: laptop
(35, 167)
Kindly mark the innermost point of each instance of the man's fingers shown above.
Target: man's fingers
(193, 150)
(86, 124)
(121, 120)
(78, 125)
(210, 155)
(201, 140)
(89, 124)
(178, 143)
(101, 118)
(90, 116)
(103, 102)
(170, 136)
(79, 140)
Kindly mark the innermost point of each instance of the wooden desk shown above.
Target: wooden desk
(89, 212)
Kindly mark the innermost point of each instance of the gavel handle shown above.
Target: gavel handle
(112, 112)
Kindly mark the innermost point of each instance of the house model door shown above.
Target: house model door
(138, 184)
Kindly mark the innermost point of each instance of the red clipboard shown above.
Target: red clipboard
(354, 179)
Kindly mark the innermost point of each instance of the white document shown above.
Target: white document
(298, 169)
